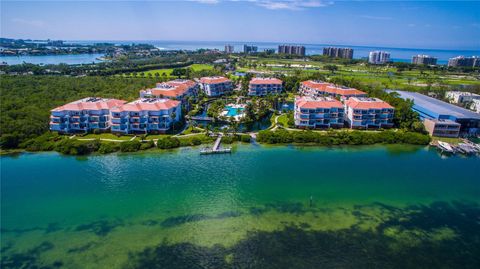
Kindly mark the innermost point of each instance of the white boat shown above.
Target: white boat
(444, 146)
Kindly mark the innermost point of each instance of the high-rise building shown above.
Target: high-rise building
(229, 48)
(378, 57)
(249, 49)
(291, 49)
(473, 61)
(269, 51)
(346, 53)
(424, 59)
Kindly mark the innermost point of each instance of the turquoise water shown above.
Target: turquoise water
(53, 59)
(232, 111)
(267, 207)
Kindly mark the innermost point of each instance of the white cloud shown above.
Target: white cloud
(292, 4)
(375, 17)
(277, 4)
(209, 2)
(32, 23)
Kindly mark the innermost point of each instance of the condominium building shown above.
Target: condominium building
(264, 86)
(320, 112)
(458, 61)
(291, 49)
(229, 48)
(458, 97)
(346, 53)
(249, 49)
(378, 57)
(177, 89)
(83, 115)
(424, 59)
(316, 88)
(442, 127)
(216, 86)
(365, 113)
(145, 115)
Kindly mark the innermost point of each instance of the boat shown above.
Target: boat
(445, 147)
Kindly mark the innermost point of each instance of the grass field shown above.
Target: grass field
(168, 71)
(388, 76)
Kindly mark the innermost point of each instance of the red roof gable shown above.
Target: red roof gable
(259, 81)
(367, 103)
(140, 105)
(310, 103)
(88, 104)
(214, 80)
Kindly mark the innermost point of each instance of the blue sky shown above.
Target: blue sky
(414, 24)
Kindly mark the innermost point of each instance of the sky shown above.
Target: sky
(406, 24)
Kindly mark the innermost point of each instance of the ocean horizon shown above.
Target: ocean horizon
(397, 54)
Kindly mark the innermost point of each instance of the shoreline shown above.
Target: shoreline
(235, 145)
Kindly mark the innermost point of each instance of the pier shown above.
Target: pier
(216, 147)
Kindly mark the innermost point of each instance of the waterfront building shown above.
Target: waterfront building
(177, 89)
(264, 86)
(424, 59)
(346, 53)
(216, 86)
(461, 61)
(458, 97)
(316, 88)
(249, 49)
(443, 128)
(229, 48)
(366, 113)
(378, 57)
(431, 108)
(84, 115)
(145, 115)
(291, 49)
(320, 112)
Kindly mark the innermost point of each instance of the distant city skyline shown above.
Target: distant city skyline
(409, 24)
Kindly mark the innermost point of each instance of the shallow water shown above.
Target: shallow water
(260, 207)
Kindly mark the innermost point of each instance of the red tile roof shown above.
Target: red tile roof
(173, 88)
(331, 88)
(140, 105)
(214, 80)
(367, 103)
(84, 104)
(265, 81)
(310, 103)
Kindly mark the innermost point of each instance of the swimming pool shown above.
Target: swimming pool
(233, 111)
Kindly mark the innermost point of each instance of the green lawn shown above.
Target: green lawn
(106, 136)
(283, 120)
(447, 139)
(168, 71)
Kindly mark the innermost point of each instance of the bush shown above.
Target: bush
(44, 142)
(130, 146)
(342, 137)
(245, 138)
(96, 131)
(147, 145)
(227, 139)
(9, 141)
(77, 147)
(168, 143)
(108, 147)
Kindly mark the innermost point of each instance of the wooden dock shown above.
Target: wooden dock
(216, 148)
